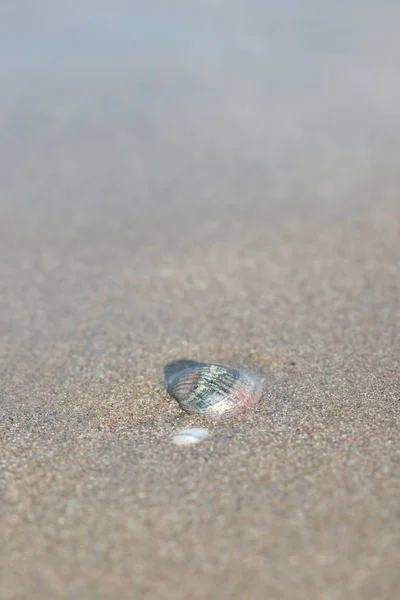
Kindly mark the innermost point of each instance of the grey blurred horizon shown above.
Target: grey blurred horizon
(289, 92)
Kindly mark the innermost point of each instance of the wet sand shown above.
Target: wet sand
(186, 183)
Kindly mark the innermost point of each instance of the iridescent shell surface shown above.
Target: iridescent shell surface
(212, 390)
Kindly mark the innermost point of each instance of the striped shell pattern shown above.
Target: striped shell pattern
(212, 390)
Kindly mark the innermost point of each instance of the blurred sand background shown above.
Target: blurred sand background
(208, 180)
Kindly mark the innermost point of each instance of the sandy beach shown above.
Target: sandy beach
(183, 181)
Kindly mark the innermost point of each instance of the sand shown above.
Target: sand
(178, 182)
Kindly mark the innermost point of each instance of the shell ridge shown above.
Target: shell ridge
(213, 389)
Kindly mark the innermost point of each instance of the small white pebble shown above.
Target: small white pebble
(186, 437)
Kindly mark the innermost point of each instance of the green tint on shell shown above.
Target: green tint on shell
(212, 390)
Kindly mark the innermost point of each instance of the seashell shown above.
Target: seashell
(212, 390)
(187, 437)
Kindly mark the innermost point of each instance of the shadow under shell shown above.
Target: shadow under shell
(212, 390)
